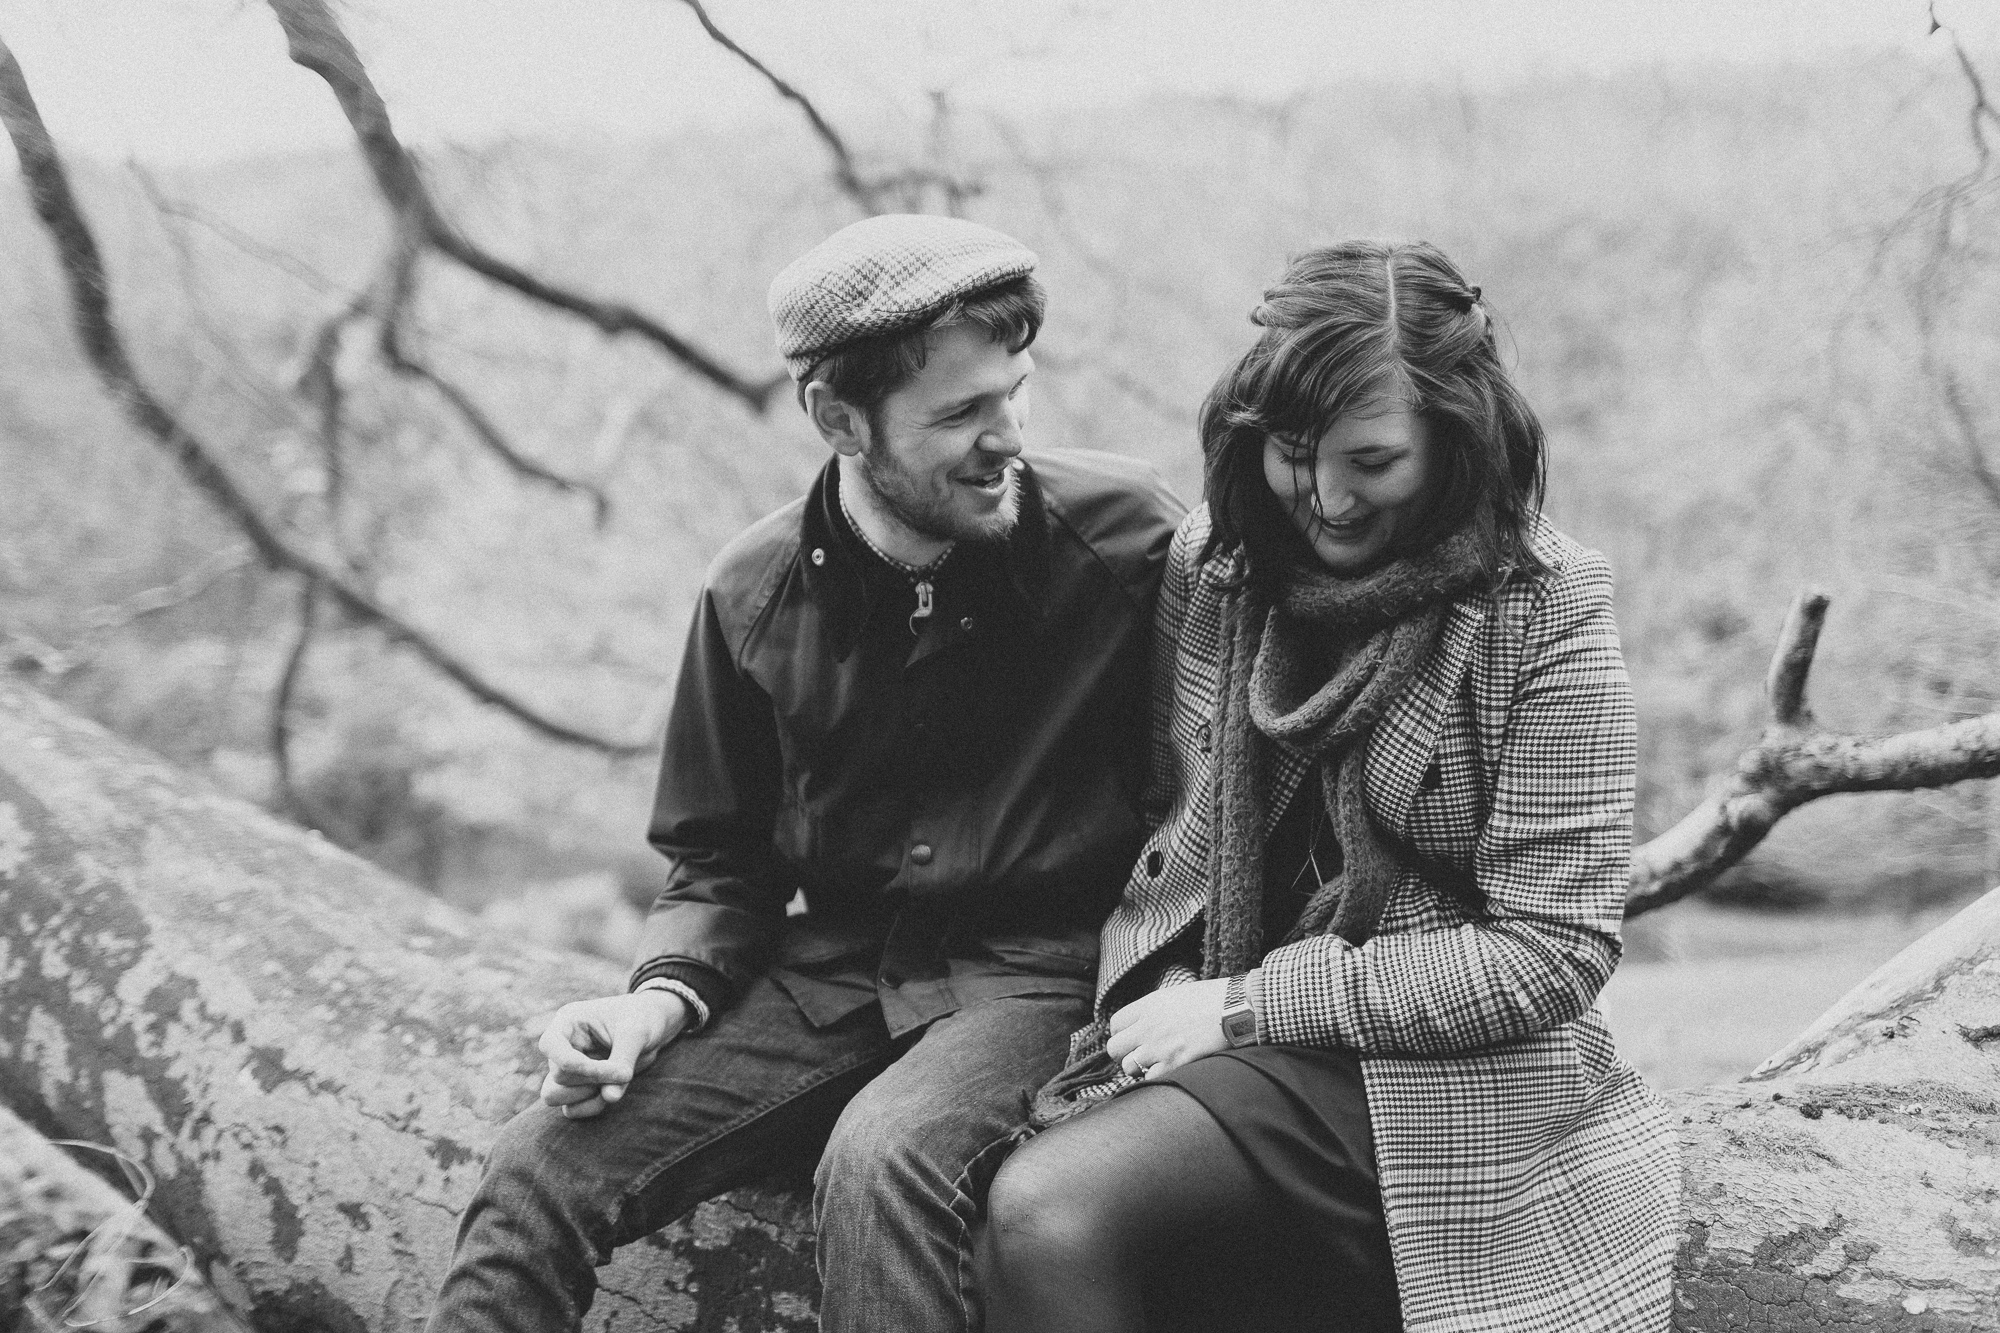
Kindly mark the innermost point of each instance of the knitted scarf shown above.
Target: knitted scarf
(1314, 672)
(1313, 669)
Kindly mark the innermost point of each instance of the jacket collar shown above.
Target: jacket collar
(844, 578)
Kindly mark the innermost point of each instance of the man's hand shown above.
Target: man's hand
(1164, 1030)
(594, 1047)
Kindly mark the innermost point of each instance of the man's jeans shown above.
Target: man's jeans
(907, 1133)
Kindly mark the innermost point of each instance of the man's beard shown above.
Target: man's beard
(933, 516)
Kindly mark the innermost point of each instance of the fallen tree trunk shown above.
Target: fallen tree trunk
(313, 1058)
(309, 1056)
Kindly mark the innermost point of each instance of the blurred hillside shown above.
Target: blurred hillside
(1705, 289)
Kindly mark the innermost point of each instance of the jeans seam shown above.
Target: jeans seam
(751, 1116)
(962, 1202)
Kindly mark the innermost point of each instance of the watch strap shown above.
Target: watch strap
(1239, 1018)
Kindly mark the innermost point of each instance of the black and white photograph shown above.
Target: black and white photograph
(999, 666)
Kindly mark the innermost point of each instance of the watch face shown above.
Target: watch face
(1240, 1026)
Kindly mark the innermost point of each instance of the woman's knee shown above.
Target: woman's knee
(1043, 1203)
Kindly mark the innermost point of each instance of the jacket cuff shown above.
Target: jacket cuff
(703, 980)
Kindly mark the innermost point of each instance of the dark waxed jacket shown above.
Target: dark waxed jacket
(958, 805)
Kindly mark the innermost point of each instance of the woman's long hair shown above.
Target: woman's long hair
(1348, 327)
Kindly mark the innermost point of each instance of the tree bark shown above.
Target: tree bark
(313, 1059)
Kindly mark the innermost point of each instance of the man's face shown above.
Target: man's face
(942, 446)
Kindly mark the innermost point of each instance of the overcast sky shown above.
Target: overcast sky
(181, 80)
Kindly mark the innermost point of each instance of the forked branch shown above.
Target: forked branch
(90, 307)
(316, 42)
(1795, 762)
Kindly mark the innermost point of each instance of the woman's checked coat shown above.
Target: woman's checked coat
(1529, 1178)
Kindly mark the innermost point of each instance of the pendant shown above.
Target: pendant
(923, 610)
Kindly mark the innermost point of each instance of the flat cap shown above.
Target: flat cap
(882, 275)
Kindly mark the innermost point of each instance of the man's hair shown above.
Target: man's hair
(1348, 327)
(866, 372)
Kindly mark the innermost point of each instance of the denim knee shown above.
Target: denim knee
(869, 1150)
(536, 1170)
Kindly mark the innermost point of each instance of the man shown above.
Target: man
(915, 697)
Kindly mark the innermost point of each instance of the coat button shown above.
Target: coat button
(1153, 863)
(966, 624)
(921, 854)
(1205, 738)
(819, 555)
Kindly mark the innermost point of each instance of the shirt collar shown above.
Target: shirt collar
(843, 576)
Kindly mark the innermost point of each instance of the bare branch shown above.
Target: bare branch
(400, 282)
(1982, 110)
(280, 730)
(1793, 764)
(181, 590)
(316, 42)
(844, 169)
(90, 305)
(1968, 430)
(289, 264)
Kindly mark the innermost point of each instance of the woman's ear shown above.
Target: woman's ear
(840, 423)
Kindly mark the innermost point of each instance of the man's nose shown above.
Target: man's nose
(1003, 437)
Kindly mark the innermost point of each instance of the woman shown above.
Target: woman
(1347, 1071)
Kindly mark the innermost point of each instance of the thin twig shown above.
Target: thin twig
(90, 306)
(845, 172)
(1981, 110)
(289, 264)
(1968, 432)
(316, 42)
(400, 284)
(181, 590)
(280, 730)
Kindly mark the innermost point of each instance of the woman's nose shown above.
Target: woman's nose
(1336, 497)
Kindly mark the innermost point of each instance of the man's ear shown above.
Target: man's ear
(841, 424)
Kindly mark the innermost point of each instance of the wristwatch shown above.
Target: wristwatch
(1239, 1019)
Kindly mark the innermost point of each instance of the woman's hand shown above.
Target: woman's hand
(1162, 1031)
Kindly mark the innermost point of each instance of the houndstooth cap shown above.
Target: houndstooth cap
(884, 274)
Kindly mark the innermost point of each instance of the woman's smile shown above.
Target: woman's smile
(1353, 493)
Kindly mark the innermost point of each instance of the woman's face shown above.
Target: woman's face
(1372, 473)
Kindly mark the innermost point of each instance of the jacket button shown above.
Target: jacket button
(1153, 863)
(921, 854)
(819, 555)
(1205, 738)
(966, 624)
